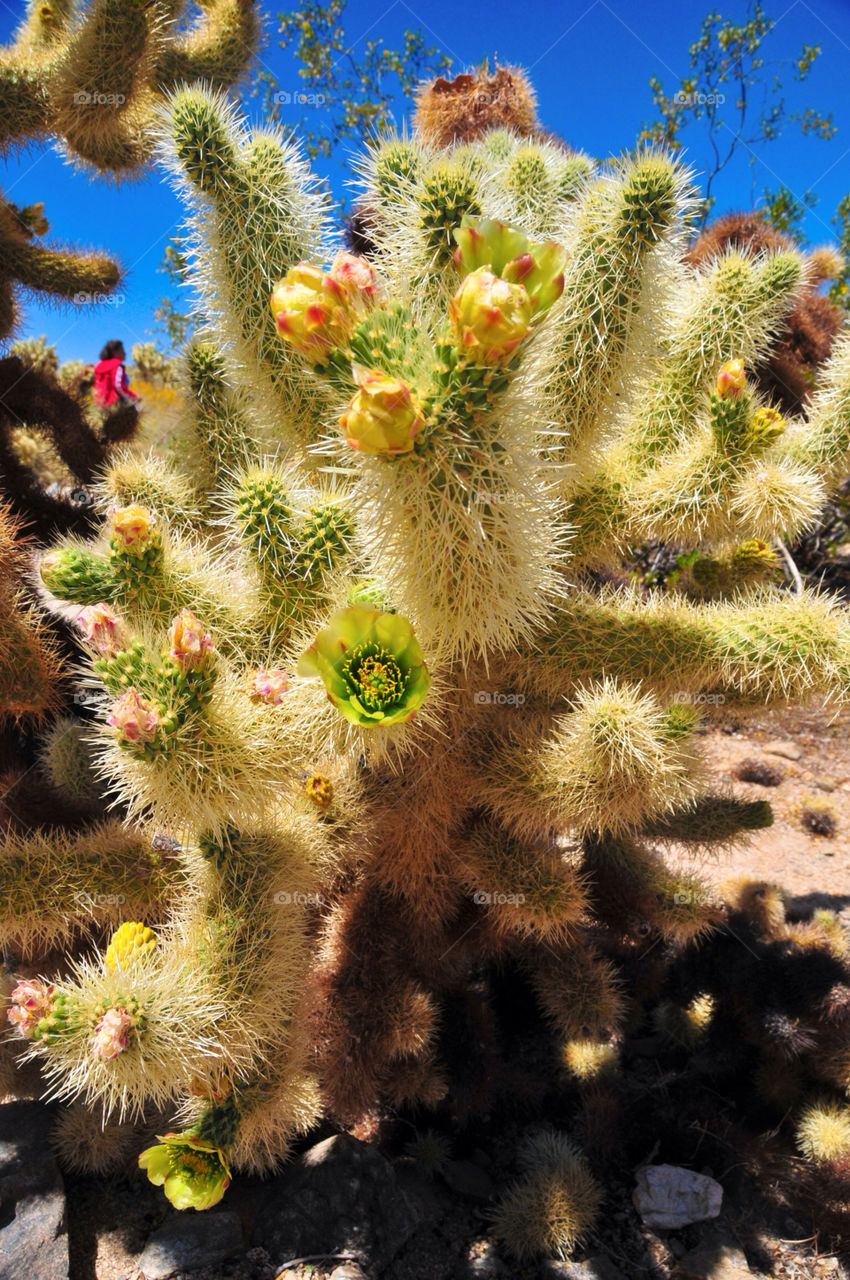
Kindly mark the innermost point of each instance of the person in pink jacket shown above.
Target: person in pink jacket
(111, 386)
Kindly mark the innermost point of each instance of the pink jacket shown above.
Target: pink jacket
(110, 383)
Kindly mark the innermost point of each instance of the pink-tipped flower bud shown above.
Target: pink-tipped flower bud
(189, 642)
(270, 687)
(731, 380)
(314, 312)
(355, 274)
(134, 718)
(111, 1034)
(383, 418)
(132, 526)
(28, 1004)
(490, 317)
(102, 629)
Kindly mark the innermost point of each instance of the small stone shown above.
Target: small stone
(484, 1263)
(599, 1267)
(668, 1197)
(468, 1180)
(183, 1243)
(714, 1262)
(33, 1239)
(824, 784)
(348, 1271)
(788, 750)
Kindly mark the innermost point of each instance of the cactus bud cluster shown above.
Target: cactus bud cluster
(316, 311)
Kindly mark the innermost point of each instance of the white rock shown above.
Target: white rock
(668, 1197)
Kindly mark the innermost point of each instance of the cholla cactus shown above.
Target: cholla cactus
(407, 471)
(93, 73)
(29, 664)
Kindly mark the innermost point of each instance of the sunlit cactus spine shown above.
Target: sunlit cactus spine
(399, 736)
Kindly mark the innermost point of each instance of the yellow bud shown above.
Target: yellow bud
(383, 418)
(731, 380)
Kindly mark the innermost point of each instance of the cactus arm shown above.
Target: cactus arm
(823, 442)
(218, 50)
(732, 309)
(54, 272)
(53, 81)
(617, 758)
(29, 665)
(43, 269)
(620, 225)
(125, 37)
(213, 1002)
(260, 197)
(711, 820)
(763, 649)
(294, 545)
(56, 885)
(25, 68)
(221, 431)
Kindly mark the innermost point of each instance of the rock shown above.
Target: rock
(714, 1262)
(184, 1243)
(824, 784)
(599, 1267)
(342, 1196)
(33, 1239)
(348, 1271)
(483, 1263)
(468, 1180)
(787, 750)
(668, 1197)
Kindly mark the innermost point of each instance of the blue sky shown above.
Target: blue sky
(590, 62)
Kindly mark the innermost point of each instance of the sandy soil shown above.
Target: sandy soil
(788, 853)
